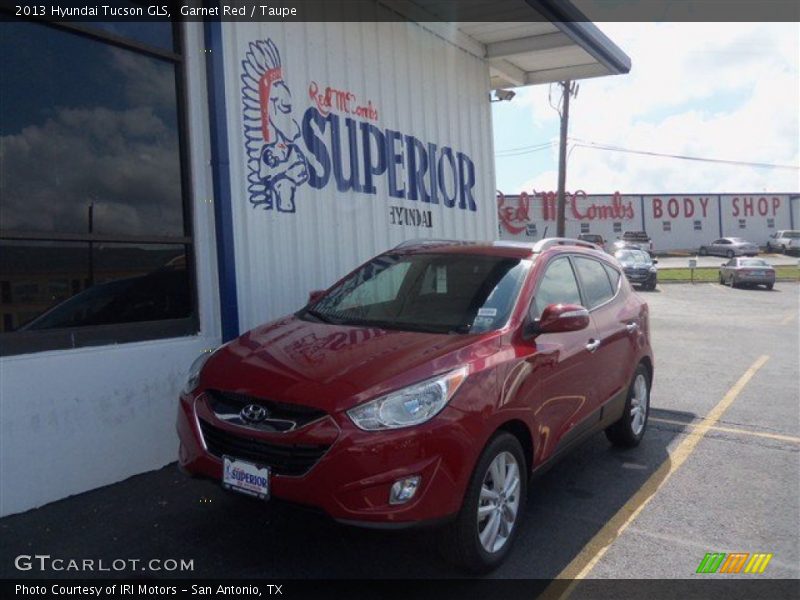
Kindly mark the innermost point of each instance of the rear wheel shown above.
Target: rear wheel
(703, 251)
(482, 534)
(729, 254)
(770, 286)
(629, 430)
(721, 280)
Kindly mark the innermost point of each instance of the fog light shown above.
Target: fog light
(403, 490)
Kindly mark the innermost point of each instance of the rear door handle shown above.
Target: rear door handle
(593, 345)
(631, 327)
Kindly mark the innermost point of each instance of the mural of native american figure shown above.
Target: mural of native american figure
(276, 163)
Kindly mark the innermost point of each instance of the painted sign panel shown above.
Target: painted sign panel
(673, 221)
(346, 140)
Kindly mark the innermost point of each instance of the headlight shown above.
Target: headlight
(193, 377)
(410, 406)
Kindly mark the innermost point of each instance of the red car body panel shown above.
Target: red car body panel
(550, 388)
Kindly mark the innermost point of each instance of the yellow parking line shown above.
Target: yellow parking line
(591, 554)
(764, 434)
(789, 318)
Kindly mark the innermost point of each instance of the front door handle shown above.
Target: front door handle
(631, 327)
(593, 345)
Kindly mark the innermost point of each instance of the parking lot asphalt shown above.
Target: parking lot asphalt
(718, 471)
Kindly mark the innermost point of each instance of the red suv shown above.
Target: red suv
(427, 386)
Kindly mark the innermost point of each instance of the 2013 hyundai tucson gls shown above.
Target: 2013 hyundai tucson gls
(427, 386)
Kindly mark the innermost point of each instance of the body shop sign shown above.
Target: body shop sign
(337, 142)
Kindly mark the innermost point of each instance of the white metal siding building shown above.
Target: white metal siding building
(306, 148)
(681, 222)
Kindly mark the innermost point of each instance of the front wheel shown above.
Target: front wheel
(629, 430)
(481, 536)
(770, 286)
(769, 247)
(730, 254)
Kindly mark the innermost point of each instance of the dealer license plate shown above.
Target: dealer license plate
(245, 477)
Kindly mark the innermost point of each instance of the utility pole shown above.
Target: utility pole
(568, 90)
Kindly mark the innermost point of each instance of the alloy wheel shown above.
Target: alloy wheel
(639, 404)
(498, 505)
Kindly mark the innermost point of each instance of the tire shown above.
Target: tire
(461, 541)
(730, 254)
(721, 280)
(703, 251)
(630, 429)
(769, 247)
(783, 249)
(770, 286)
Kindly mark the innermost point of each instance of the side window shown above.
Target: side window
(558, 286)
(613, 275)
(596, 285)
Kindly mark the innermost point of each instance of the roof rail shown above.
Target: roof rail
(424, 242)
(546, 243)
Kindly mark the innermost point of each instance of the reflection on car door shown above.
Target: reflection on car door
(561, 366)
(616, 321)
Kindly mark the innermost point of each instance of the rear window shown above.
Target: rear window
(753, 262)
(594, 279)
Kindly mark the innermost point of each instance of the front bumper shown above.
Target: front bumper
(641, 277)
(352, 479)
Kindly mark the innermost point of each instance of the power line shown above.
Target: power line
(597, 146)
(509, 154)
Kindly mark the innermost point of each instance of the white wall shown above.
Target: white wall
(420, 85)
(73, 420)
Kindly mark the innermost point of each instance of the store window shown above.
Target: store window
(584, 228)
(742, 223)
(770, 223)
(698, 226)
(667, 225)
(95, 240)
(617, 227)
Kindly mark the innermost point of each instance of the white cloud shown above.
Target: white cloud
(719, 90)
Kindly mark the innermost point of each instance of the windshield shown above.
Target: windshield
(632, 257)
(753, 262)
(792, 235)
(438, 293)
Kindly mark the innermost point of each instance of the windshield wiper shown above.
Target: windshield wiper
(318, 315)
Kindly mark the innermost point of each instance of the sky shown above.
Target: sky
(717, 90)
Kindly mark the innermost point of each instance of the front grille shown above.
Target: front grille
(222, 402)
(283, 459)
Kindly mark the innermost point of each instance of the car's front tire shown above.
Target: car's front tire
(484, 530)
(629, 430)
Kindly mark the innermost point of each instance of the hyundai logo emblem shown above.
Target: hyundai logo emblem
(253, 413)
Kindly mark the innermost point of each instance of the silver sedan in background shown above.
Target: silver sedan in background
(730, 247)
(747, 271)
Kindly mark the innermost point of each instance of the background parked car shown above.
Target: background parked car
(786, 241)
(635, 238)
(593, 238)
(730, 247)
(747, 271)
(639, 266)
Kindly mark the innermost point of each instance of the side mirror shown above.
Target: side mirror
(558, 318)
(315, 295)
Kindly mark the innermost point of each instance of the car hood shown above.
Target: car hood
(333, 367)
